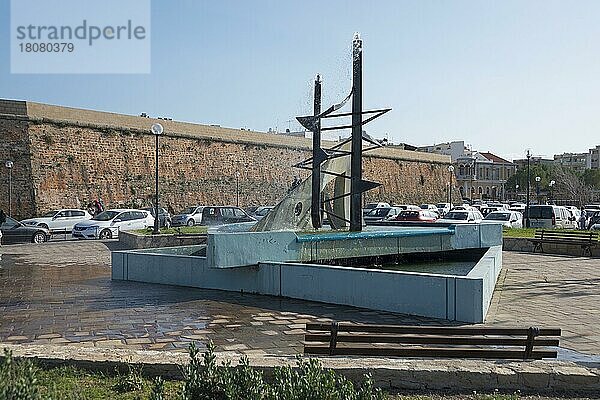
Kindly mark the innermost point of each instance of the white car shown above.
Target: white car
(107, 224)
(508, 219)
(57, 221)
(461, 217)
(443, 208)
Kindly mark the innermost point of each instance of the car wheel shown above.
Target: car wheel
(190, 222)
(105, 234)
(39, 237)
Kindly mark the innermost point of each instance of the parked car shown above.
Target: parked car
(520, 207)
(164, 217)
(462, 217)
(261, 212)
(381, 214)
(221, 215)
(575, 212)
(407, 207)
(593, 219)
(190, 216)
(12, 231)
(489, 209)
(416, 216)
(508, 219)
(443, 208)
(369, 206)
(57, 221)
(107, 224)
(549, 217)
(430, 207)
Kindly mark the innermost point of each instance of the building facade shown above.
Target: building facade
(483, 176)
(577, 161)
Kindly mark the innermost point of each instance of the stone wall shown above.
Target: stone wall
(68, 157)
(15, 146)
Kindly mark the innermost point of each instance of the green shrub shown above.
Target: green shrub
(130, 382)
(18, 379)
(204, 379)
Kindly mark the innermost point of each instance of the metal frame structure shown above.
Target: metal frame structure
(320, 155)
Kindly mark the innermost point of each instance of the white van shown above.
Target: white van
(549, 217)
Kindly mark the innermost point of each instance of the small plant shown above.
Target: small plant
(130, 382)
(158, 389)
(204, 379)
(18, 379)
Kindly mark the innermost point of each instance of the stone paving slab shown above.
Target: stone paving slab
(61, 293)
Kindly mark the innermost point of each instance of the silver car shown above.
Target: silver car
(59, 220)
(190, 216)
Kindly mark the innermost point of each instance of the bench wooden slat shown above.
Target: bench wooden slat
(431, 330)
(449, 340)
(433, 352)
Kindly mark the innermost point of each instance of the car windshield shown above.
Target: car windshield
(498, 216)
(441, 205)
(456, 215)
(106, 216)
(425, 206)
(50, 214)
(189, 210)
(378, 212)
(371, 205)
(409, 214)
(542, 212)
(9, 223)
(263, 211)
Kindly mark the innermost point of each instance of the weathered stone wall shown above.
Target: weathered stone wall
(78, 155)
(15, 146)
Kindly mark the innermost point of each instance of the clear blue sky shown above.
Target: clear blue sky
(501, 75)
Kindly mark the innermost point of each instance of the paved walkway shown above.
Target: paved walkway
(550, 291)
(62, 293)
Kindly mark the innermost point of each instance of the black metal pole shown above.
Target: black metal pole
(527, 222)
(156, 218)
(237, 189)
(450, 190)
(356, 157)
(315, 206)
(10, 191)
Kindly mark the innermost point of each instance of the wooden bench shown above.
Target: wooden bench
(586, 240)
(420, 341)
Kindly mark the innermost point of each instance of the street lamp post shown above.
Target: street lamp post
(9, 164)
(237, 189)
(527, 221)
(451, 170)
(517, 192)
(537, 188)
(157, 130)
(551, 185)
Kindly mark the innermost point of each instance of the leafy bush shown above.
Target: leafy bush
(130, 382)
(18, 379)
(204, 379)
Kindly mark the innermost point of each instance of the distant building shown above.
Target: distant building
(577, 161)
(483, 175)
(595, 158)
(522, 163)
(454, 149)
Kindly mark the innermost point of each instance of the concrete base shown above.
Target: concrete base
(285, 264)
(461, 298)
(131, 240)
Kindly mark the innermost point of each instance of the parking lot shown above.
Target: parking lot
(60, 292)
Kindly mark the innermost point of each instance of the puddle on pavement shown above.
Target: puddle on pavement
(588, 360)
